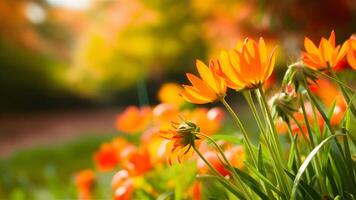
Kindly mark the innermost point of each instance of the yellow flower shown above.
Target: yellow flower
(328, 55)
(351, 55)
(209, 88)
(247, 66)
(181, 140)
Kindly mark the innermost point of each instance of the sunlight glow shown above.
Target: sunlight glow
(71, 4)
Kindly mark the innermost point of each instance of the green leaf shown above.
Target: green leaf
(267, 182)
(230, 138)
(227, 186)
(306, 162)
(252, 183)
(305, 186)
(292, 153)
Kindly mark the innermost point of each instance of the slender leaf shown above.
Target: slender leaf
(306, 187)
(306, 162)
(252, 183)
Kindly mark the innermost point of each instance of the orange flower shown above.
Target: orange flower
(137, 161)
(133, 119)
(181, 140)
(84, 181)
(165, 113)
(236, 156)
(351, 55)
(328, 55)
(212, 158)
(107, 157)
(209, 121)
(154, 144)
(208, 89)
(247, 66)
(122, 185)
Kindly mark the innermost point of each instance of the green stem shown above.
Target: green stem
(234, 174)
(271, 122)
(344, 93)
(306, 121)
(238, 123)
(249, 100)
(218, 175)
(253, 108)
(296, 146)
(279, 159)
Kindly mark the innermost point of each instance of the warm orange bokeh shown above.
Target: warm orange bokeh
(209, 121)
(170, 93)
(327, 55)
(133, 119)
(137, 161)
(84, 181)
(122, 185)
(209, 88)
(107, 157)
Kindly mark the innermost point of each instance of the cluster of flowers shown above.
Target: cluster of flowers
(168, 132)
(151, 125)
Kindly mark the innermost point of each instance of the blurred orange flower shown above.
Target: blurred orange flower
(181, 140)
(137, 161)
(208, 89)
(165, 113)
(236, 156)
(212, 157)
(247, 66)
(154, 144)
(133, 119)
(170, 93)
(107, 157)
(328, 55)
(209, 121)
(351, 55)
(122, 185)
(84, 181)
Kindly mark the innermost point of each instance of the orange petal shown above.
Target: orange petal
(205, 74)
(201, 86)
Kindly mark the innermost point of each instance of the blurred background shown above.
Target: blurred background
(69, 66)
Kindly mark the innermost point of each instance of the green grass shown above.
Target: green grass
(46, 172)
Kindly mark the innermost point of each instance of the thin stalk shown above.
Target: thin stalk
(234, 174)
(249, 100)
(238, 123)
(296, 146)
(316, 162)
(320, 109)
(323, 115)
(306, 121)
(280, 162)
(218, 175)
(344, 93)
(301, 130)
(252, 106)
(271, 122)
